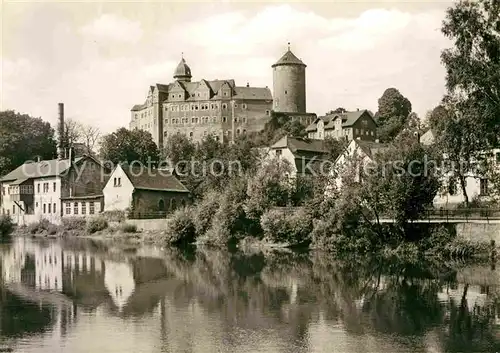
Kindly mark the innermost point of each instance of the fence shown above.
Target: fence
(147, 215)
(465, 214)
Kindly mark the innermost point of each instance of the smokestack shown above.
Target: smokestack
(60, 131)
(248, 84)
(71, 152)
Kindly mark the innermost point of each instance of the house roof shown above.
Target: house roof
(370, 148)
(259, 93)
(348, 119)
(153, 179)
(40, 169)
(428, 137)
(289, 58)
(297, 144)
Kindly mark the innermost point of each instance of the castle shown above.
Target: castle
(220, 107)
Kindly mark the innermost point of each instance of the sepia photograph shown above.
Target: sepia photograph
(248, 176)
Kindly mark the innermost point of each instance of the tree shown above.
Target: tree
(23, 138)
(90, 136)
(473, 63)
(128, 146)
(179, 148)
(339, 110)
(436, 116)
(72, 132)
(393, 112)
(334, 147)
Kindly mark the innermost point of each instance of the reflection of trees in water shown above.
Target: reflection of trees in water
(19, 318)
(285, 288)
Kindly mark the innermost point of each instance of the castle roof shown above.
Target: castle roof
(247, 93)
(182, 70)
(289, 58)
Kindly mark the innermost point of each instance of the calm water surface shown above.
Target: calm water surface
(79, 296)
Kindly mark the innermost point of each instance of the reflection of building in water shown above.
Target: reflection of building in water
(49, 267)
(119, 281)
(476, 296)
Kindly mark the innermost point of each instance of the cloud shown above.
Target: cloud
(111, 27)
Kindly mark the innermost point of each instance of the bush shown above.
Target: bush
(96, 224)
(205, 211)
(128, 228)
(74, 223)
(6, 226)
(41, 227)
(294, 228)
(180, 228)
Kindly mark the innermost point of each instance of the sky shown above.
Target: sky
(100, 58)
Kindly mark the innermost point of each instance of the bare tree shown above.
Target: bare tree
(72, 132)
(90, 137)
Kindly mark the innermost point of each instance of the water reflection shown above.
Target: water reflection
(78, 296)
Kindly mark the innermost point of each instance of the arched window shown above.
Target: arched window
(172, 204)
(161, 205)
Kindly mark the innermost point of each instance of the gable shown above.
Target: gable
(225, 90)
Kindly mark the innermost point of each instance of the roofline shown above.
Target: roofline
(156, 189)
(288, 64)
(82, 197)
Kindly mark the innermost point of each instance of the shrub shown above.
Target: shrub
(205, 211)
(96, 224)
(6, 226)
(73, 223)
(293, 228)
(114, 216)
(180, 228)
(42, 226)
(128, 228)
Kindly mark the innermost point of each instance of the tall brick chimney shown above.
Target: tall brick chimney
(61, 146)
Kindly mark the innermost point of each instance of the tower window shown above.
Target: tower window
(286, 92)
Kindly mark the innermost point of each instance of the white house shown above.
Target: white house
(358, 154)
(143, 190)
(476, 185)
(347, 125)
(306, 156)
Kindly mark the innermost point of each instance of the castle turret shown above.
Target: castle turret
(289, 81)
(182, 72)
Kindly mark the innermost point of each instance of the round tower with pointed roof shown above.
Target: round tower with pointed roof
(182, 72)
(289, 84)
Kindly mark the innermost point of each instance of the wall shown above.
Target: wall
(118, 198)
(148, 200)
(289, 88)
(365, 124)
(149, 224)
(479, 232)
(69, 207)
(52, 197)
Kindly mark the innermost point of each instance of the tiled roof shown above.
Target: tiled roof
(153, 179)
(289, 58)
(40, 169)
(182, 70)
(259, 93)
(138, 107)
(297, 144)
(370, 148)
(348, 119)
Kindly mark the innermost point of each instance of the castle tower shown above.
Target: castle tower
(289, 84)
(182, 72)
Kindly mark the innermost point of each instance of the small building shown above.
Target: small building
(357, 154)
(140, 190)
(305, 156)
(349, 126)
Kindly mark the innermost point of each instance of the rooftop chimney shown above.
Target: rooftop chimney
(60, 132)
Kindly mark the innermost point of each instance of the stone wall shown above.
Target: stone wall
(149, 224)
(479, 232)
(289, 91)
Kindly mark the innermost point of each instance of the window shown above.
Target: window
(166, 121)
(224, 106)
(498, 157)
(278, 153)
(191, 134)
(75, 208)
(357, 131)
(36, 204)
(268, 112)
(50, 208)
(44, 208)
(235, 105)
(161, 205)
(91, 208)
(244, 131)
(13, 209)
(235, 119)
(371, 132)
(483, 187)
(244, 106)
(214, 119)
(68, 208)
(196, 107)
(54, 186)
(244, 119)
(237, 131)
(224, 119)
(84, 208)
(286, 92)
(205, 133)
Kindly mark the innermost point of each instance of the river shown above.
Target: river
(78, 295)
